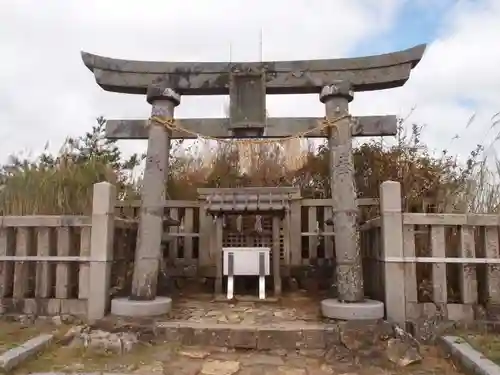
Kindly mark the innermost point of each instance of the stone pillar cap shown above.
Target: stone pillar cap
(337, 89)
(162, 92)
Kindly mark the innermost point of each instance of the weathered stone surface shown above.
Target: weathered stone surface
(261, 359)
(294, 359)
(162, 92)
(184, 366)
(332, 335)
(356, 335)
(349, 274)
(341, 89)
(404, 349)
(153, 193)
(313, 338)
(170, 333)
(186, 334)
(255, 370)
(363, 310)
(220, 338)
(327, 369)
(195, 354)
(313, 353)
(467, 358)
(304, 310)
(300, 336)
(155, 367)
(276, 127)
(426, 330)
(220, 367)
(32, 307)
(15, 356)
(402, 353)
(243, 338)
(339, 354)
(132, 308)
(283, 77)
(120, 342)
(71, 333)
(285, 370)
(278, 338)
(243, 362)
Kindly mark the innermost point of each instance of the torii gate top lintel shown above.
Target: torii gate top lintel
(367, 73)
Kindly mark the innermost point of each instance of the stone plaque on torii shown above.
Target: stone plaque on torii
(335, 80)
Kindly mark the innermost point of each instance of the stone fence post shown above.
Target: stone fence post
(101, 249)
(392, 247)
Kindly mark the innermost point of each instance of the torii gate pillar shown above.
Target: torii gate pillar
(350, 303)
(143, 301)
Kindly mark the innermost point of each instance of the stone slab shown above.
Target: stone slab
(276, 127)
(244, 336)
(467, 358)
(15, 356)
(131, 308)
(366, 310)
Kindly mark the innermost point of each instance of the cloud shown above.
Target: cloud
(457, 78)
(47, 94)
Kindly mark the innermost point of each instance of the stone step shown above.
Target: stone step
(287, 336)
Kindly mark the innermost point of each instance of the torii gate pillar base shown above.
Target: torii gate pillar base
(132, 308)
(365, 310)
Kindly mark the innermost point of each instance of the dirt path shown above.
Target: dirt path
(171, 359)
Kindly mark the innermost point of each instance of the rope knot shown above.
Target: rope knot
(166, 122)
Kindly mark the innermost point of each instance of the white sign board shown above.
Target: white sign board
(246, 260)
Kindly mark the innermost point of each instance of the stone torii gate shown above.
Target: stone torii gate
(247, 84)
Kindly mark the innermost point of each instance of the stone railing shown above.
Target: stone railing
(434, 265)
(51, 265)
(44, 264)
(420, 265)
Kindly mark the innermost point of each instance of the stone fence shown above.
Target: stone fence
(430, 265)
(420, 265)
(51, 265)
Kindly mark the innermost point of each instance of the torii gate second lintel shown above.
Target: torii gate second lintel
(275, 127)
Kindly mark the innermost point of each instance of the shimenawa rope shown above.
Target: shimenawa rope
(172, 125)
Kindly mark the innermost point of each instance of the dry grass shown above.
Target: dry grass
(62, 184)
(79, 359)
(486, 343)
(65, 188)
(13, 334)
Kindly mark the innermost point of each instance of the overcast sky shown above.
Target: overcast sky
(46, 93)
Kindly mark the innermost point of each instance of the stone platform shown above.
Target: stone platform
(293, 327)
(293, 322)
(284, 336)
(203, 308)
(150, 359)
